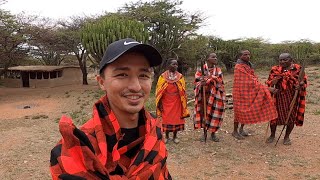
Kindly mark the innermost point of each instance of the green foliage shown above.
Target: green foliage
(13, 33)
(150, 104)
(49, 42)
(193, 49)
(168, 25)
(96, 36)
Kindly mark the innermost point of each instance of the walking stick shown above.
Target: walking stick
(204, 119)
(301, 75)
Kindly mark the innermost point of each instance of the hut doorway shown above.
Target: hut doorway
(25, 79)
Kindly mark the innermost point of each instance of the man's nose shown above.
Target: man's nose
(134, 84)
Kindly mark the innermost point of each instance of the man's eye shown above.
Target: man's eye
(121, 75)
(144, 76)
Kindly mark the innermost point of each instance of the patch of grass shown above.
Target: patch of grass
(274, 161)
(57, 120)
(79, 117)
(312, 98)
(299, 163)
(41, 116)
(151, 103)
(75, 114)
(97, 94)
(269, 177)
(317, 112)
(297, 175)
(309, 177)
(316, 77)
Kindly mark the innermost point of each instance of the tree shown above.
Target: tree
(71, 32)
(97, 35)
(167, 24)
(13, 38)
(193, 49)
(48, 43)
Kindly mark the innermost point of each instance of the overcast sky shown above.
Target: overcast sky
(273, 20)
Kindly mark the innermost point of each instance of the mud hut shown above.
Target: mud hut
(41, 76)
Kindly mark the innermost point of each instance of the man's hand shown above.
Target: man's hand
(275, 80)
(300, 86)
(203, 81)
(273, 90)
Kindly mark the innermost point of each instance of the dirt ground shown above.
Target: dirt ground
(29, 130)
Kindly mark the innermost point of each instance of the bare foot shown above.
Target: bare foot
(237, 136)
(287, 141)
(270, 139)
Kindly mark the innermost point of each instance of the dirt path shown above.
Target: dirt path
(28, 135)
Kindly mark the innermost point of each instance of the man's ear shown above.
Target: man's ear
(101, 80)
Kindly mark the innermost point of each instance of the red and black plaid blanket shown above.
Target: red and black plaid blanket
(93, 151)
(252, 101)
(286, 85)
(215, 99)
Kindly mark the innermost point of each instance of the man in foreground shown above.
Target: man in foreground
(122, 140)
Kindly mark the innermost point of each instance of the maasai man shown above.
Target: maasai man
(252, 101)
(171, 100)
(122, 140)
(212, 81)
(285, 78)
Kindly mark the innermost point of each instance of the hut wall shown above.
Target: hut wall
(69, 75)
(13, 83)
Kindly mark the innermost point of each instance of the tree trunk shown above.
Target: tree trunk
(82, 59)
(228, 67)
(84, 73)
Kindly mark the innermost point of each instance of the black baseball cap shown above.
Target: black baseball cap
(122, 46)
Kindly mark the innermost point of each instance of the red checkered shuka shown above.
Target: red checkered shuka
(172, 128)
(252, 101)
(283, 99)
(215, 99)
(92, 152)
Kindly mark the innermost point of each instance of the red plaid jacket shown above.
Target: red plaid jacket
(288, 81)
(252, 100)
(92, 152)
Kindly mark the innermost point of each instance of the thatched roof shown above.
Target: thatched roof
(39, 68)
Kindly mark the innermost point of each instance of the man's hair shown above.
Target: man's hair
(240, 53)
(287, 54)
(170, 60)
(207, 56)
